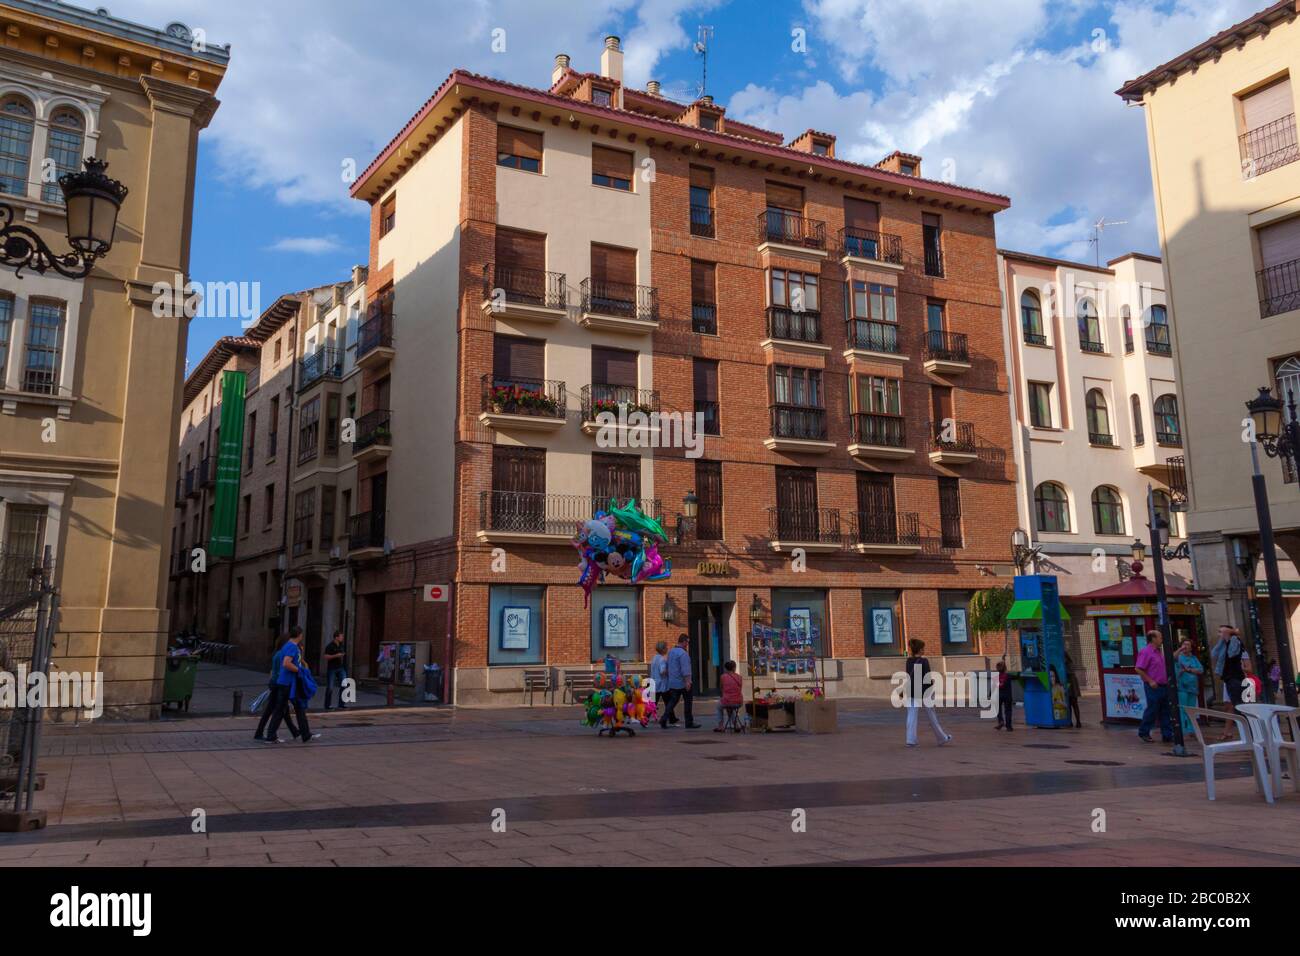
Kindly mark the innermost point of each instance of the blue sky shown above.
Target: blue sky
(1015, 97)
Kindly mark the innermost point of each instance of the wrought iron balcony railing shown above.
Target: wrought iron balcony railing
(612, 399)
(798, 422)
(1158, 342)
(868, 244)
(946, 346)
(208, 472)
(1177, 480)
(536, 287)
(321, 364)
(934, 263)
(192, 483)
(1101, 439)
(377, 332)
(872, 335)
(1269, 146)
(805, 525)
(620, 299)
(953, 436)
(366, 530)
(1035, 338)
(885, 431)
(791, 229)
(785, 323)
(702, 221)
(885, 527)
(524, 396)
(1093, 346)
(1169, 439)
(1279, 288)
(527, 512)
(374, 428)
(704, 318)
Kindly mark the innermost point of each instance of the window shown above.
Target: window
(1052, 506)
(518, 490)
(791, 607)
(797, 386)
(1089, 326)
(1099, 432)
(616, 623)
(387, 223)
(1031, 318)
(6, 328)
(907, 169)
(1126, 319)
(268, 505)
(273, 439)
(704, 305)
(795, 312)
(1158, 342)
(1107, 511)
(64, 145)
(615, 477)
(16, 123)
(611, 167)
(862, 236)
(1168, 429)
(954, 622)
(878, 519)
(932, 237)
(882, 614)
(246, 513)
(613, 380)
(601, 96)
(934, 318)
(331, 424)
(950, 512)
(507, 605)
(1164, 511)
(304, 516)
(1267, 127)
(701, 180)
(708, 488)
(44, 347)
(873, 313)
(706, 394)
(1139, 436)
(252, 439)
(519, 149)
(309, 431)
(24, 545)
(1040, 404)
(795, 290)
(878, 395)
(1279, 261)
(275, 352)
(708, 121)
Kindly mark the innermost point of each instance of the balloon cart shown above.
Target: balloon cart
(619, 702)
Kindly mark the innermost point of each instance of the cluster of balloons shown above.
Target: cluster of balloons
(622, 543)
(618, 702)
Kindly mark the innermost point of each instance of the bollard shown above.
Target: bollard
(390, 695)
(237, 705)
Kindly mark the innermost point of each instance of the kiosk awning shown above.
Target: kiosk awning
(1031, 611)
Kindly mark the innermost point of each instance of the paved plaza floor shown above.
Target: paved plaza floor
(532, 787)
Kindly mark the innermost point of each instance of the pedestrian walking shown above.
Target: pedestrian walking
(659, 674)
(1189, 669)
(336, 669)
(1227, 656)
(1072, 688)
(1150, 667)
(679, 684)
(918, 667)
(294, 678)
(275, 694)
(1006, 697)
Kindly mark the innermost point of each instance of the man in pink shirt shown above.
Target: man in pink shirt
(1151, 668)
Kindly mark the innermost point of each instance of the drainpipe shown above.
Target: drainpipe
(288, 477)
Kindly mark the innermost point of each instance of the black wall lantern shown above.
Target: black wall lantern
(92, 201)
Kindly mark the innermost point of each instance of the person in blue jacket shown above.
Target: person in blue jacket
(295, 678)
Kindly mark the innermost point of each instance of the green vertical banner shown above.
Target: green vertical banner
(225, 512)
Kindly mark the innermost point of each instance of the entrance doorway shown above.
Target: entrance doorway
(710, 629)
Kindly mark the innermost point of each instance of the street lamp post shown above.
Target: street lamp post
(1159, 528)
(92, 202)
(1279, 439)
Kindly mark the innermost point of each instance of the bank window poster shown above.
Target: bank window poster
(882, 625)
(1124, 696)
(615, 626)
(957, 625)
(516, 628)
(801, 620)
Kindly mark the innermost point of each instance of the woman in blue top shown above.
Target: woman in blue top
(1189, 670)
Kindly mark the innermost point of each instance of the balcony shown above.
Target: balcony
(1158, 342)
(1092, 347)
(872, 339)
(1176, 481)
(702, 222)
(704, 318)
(1035, 338)
(812, 529)
(1279, 288)
(791, 233)
(799, 429)
(366, 535)
(879, 436)
(619, 306)
(934, 263)
(374, 441)
(1169, 439)
(520, 404)
(801, 331)
(953, 443)
(322, 365)
(526, 517)
(180, 492)
(946, 352)
(1101, 440)
(375, 340)
(885, 532)
(1268, 147)
(870, 247)
(207, 477)
(530, 295)
(623, 402)
(192, 488)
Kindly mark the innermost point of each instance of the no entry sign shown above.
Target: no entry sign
(437, 593)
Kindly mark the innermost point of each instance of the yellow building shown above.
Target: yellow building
(90, 377)
(1224, 160)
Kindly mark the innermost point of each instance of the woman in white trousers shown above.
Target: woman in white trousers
(917, 669)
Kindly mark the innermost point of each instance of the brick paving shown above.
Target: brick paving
(421, 787)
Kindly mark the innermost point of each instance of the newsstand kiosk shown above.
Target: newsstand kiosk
(1039, 616)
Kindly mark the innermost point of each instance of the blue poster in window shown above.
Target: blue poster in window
(801, 620)
(957, 625)
(516, 628)
(615, 626)
(882, 625)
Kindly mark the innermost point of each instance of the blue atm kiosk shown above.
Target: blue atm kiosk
(1039, 616)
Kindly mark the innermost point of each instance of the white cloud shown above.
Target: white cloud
(307, 245)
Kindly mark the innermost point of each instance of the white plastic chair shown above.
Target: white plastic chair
(1247, 742)
(1266, 722)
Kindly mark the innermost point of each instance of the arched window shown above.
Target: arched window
(44, 347)
(1031, 318)
(1126, 317)
(1089, 326)
(1052, 506)
(6, 326)
(1288, 384)
(1168, 429)
(1158, 342)
(65, 145)
(1139, 437)
(16, 120)
(1164, 509)
(1107, 511)
(1099, 432)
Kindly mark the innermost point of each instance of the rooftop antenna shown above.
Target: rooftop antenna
(1097, 229)
(704, 35)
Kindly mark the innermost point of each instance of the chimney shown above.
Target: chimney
(611, 60)
(358, 275)
(707, 100)
(652, 87)
(561, 66)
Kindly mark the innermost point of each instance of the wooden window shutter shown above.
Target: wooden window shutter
(520, 250)
(1279, 242)
(611, 264)
(861, 214)
(780, 196)
(516, 358)
(518, 469)
(613, 163)
(703, 285)
(519, 142)
(613, 367)
(701, 177)
(1265, 105)
(706, 380)
(615, 476)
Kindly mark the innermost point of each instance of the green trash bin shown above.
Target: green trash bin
(178, 681)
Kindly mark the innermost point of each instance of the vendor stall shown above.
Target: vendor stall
(1123, 614)
(787, 677)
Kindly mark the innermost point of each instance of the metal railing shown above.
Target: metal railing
(798, 422)
(542, 398)
(537, 287)
(1035, 338)
(528, 512)
(710, 412)
(934, 263)
(1268, 147)
(946, 346)
(805, 525)
(791, 229)
(29, 615)
(885, 527)
(785, 323)
(376, 333)
(612, 399)
(321, 364)
(367, 530)
(953, 436)
(1092, 346)
(192, 483)
(1279, 288)
(702, 221)
(704, 318)
(1158, 342)
(1169, 439)
(886, 431)
(869, 244)
(872, 335)
(620, 299)
(1102, 439)
(208, 472)
(374, 428)
(1177, 482)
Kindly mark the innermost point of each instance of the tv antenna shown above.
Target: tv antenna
(703, 36)
(1098, 228)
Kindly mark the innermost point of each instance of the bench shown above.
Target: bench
(540, 679)
(578, 686)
